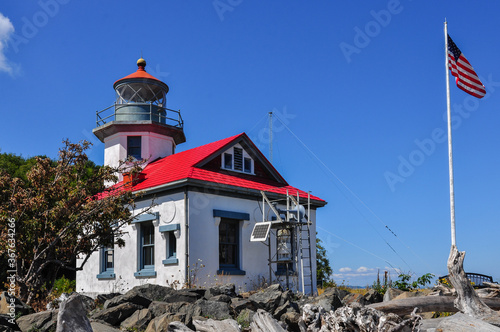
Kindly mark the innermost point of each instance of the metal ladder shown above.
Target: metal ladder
(306, 260)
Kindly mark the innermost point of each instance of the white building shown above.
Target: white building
(208, 200)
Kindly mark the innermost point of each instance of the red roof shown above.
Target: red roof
(189, 165)
(140, 73)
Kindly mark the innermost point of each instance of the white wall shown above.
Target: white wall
(171, 211)
(204, 246)
(154, 146)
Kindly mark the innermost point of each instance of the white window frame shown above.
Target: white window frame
(245, 155)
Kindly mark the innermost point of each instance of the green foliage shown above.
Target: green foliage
(17, 166)
(404, 282)
(381, 287)
(323, 269)
(63, 285)
(61, 210)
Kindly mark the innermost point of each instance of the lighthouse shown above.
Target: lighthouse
(138, 125)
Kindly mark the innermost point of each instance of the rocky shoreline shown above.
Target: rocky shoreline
(154, 308)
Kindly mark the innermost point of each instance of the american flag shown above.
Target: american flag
(466, 77)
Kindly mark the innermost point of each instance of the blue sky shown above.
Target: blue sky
(358, 88)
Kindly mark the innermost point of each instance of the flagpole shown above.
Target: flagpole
(450, 150)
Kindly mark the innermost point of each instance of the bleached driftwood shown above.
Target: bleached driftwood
(491, 284)
(464, 323)
(264, 322)
(467, 300)
(426, 304)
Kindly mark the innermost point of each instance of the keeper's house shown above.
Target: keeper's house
(208, 200)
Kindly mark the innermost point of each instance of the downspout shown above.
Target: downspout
(186, 232)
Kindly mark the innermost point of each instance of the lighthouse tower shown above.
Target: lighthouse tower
(138, 124)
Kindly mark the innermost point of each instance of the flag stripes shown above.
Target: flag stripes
(466, 78)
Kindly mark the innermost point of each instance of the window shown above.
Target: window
(107, 263)
(146, 250)
(285, 248)
(228, 161)
(134, 147)
(172, 245)
(148, 246)
(248, 165)
(229, 240)
(236, 159)
(171, 238)
(228, 244)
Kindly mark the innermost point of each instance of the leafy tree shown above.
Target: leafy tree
(61, 211)
(323, 269)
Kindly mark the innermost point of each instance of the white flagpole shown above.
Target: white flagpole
(450, 150)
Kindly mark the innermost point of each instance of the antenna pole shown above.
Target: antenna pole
(271, 137)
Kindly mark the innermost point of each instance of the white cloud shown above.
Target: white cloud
(345, 269)
(6, 30)
(362, 269)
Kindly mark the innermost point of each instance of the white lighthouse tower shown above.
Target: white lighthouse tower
(138, 124)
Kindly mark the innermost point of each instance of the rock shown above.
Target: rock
(264, 322)
(10, 304)
(138, 320)
(291, 319)
(214, 309)
(245, 317)
(372, 296)
(132, 296)
(227, 289)
(354, 298)
(145, 294)
(268, 299)
(328, 292)
(221, 298)
(178, 327)
(391, 293)
(41, 321)
(72, 316)
(189, 310)
(286, 307)
(464, 323)
(330, 299)
(407, 295)
(87, 302)
(115, 315)
(102, 298)
(237, 305)
(160, 324)
(101, 327)
(229, 325)
(182, 296)
(8, 324)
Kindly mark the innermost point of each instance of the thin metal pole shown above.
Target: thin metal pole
(450, 149)
(271, 137)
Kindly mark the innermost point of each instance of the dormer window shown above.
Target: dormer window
(237, 159)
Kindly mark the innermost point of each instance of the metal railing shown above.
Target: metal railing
(475, 278)
(139, 111)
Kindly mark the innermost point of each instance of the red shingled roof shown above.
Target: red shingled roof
(189, 165)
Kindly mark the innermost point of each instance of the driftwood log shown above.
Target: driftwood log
(467, 300)
(464, 323)
(426, 304)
